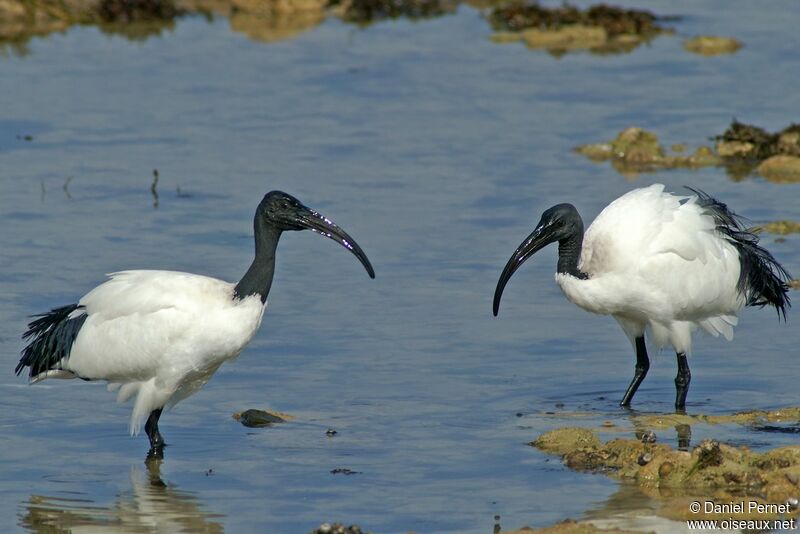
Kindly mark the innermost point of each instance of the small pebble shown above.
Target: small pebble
(793, 503)
(337, 528)
(645, 458)
(648, 436)
(665, 469)
(791, 477)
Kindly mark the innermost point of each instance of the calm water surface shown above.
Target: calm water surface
(437, 150)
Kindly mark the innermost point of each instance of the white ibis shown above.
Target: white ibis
(161, 335)
(659, 262)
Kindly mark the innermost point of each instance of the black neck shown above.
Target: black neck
(258, 278)
(569, 252)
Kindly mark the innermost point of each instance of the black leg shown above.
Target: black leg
(156, 441)
(642, 366)
(682, 382)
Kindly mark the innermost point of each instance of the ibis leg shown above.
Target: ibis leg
(156, 441)
(682, 382)
(640, 371)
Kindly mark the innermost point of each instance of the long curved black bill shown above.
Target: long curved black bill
(533, 243)
(318, 223)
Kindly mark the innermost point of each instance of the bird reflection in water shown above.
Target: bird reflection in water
(150, 506)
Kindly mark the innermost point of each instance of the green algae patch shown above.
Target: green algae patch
(254, 418)
(712, 45)
(599, 28)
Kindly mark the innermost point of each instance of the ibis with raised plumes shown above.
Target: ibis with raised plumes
(661, 263)
(159, 336)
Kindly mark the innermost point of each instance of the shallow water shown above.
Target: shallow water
(437, 150)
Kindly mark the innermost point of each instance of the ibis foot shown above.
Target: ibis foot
(155, 453)
(682, 380)
(156, 441)
(640, 371)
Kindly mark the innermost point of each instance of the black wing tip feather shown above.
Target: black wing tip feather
(762, 279)
(51, 336)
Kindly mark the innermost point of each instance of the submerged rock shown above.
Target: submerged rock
(708, 45)
(260, 418)
(599, 28)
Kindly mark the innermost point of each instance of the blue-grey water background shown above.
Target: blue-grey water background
(437, 149)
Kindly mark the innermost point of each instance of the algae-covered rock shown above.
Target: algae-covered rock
(633, 147)
(518, 16)
(780, 168)
(127, 11)
(600, 28)
(710, 45)
(750, 417)
(748, 141)
(741, 149)
(780, 227)
(711, 467)
(637, 150)
(567, 38)
(563, 440)
(637, 146)
(569, 526)
(367, 11)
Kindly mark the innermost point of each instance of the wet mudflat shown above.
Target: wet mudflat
(438, 149)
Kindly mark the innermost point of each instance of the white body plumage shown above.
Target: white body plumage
(159, 335)
(656, 260)
(660, 262)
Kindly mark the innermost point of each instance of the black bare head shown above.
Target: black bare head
(560, 223)
(279, 212)
(283, 212)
